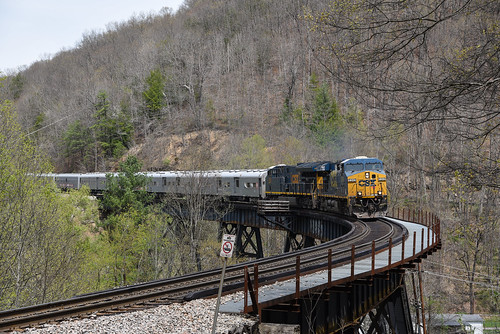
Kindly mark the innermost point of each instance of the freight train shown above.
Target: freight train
(354, 186)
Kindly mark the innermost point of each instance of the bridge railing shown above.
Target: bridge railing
(421, 217)
(421, 241)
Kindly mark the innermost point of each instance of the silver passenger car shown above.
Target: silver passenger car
(236, 184)
(231, 183)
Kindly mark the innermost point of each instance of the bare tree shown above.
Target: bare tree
(39, 246)
(476, 220)
(418, 63)
(427, 75)
(191, 211)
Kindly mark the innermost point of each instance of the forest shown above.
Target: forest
(239, 84)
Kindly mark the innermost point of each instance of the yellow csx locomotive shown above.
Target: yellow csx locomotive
(354, 186)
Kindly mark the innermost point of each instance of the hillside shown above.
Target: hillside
(226, 66)
(246, 84)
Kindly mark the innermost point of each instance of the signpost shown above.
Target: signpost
(226, 250)
(227, 247)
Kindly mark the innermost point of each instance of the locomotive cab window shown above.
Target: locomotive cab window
(373, 166)
(354, 167)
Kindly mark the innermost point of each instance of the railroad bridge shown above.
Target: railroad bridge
(337, 274)
(352, 282)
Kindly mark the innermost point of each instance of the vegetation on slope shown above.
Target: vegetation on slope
(245, 84)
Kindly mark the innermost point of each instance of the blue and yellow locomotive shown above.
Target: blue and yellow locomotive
(354, 186)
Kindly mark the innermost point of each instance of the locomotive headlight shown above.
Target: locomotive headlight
(359, 194)
(367, 175)
(379, 192)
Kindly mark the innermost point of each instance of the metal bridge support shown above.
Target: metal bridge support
(391, 316)
(296, 241)
(248, 239)
(302, 231)
(376, 305)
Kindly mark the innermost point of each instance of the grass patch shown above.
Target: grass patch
(492, 324)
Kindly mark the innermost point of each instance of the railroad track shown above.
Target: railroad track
(205, 284)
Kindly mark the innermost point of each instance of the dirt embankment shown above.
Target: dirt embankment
(180, 151)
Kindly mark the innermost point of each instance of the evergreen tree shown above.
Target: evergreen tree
(113, 133)
(77, 142)
(154, 97)
(126, 191)
(325, 120)
(320, 115)
(16, 86)
(104, 126)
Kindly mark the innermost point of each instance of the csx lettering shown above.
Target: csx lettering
(366, 183)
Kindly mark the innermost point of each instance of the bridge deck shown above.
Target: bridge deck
(286, 290)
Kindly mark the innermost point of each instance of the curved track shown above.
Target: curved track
(205, 284)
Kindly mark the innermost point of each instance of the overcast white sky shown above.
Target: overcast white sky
(31, 30)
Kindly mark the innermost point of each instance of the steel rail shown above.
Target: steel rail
(204, 284)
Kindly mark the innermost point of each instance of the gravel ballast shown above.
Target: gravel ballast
(179, 318)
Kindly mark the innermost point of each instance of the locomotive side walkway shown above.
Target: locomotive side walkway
(421, 240)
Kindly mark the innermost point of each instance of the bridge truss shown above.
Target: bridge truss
(373, 302)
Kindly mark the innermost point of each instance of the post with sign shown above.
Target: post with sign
(226, 250)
